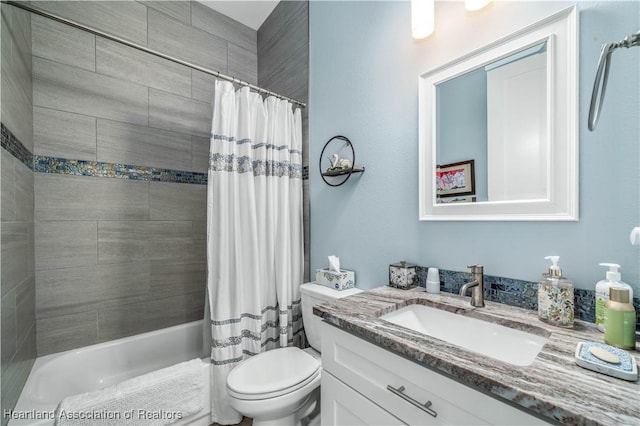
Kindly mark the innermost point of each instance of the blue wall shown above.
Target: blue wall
(364, 69)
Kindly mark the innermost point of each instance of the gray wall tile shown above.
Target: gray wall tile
(125, 63)
(8, 185)
(16, 107)
(61, 197)
(65, 332)
(73, 290)
(15, 252)
(23, 192)
(200, 154)
(16, 260)
(202, 86)
(180, 10)
(16, 372)
(31, 264)
(126, 320)
(21, 29)
(135, 241)
(283, 51)
(306, 226)
(297, 15)
(130, 144)
(296, 71)
(6, 38)
(21, 51)
(66, 244)
(76, 90)
(25, 308)
(177, 201)
(220, 25)
(273, 76)
(243, 64)
(187, 43)
(200, 240)
(175, 279)
(8, 328)
(178, 114)
(271, 26)
(125, 19)
(305, 137)
(64, 134)
(63, 43)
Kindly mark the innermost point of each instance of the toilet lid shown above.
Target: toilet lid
(272, 373)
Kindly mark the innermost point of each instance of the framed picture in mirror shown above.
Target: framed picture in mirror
(456, 179)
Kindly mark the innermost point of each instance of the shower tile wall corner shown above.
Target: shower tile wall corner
(120, 256)
(17, 285)
(283, 66)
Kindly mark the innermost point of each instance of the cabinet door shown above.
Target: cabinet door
(343, 406)
(371, 370)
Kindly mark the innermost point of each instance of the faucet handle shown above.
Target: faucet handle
(475, 268)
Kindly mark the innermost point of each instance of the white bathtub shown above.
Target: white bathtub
(54, 377)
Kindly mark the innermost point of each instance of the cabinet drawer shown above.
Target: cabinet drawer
(369, 369)
(342, 406)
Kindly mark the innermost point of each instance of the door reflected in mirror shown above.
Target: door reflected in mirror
(495, 115)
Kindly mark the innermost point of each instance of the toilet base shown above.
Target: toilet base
(306, 408)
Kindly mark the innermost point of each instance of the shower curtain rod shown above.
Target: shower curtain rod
(151, 51)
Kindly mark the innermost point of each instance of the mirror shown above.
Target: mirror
(498, 129)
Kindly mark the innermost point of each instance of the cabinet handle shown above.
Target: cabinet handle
(424, 407)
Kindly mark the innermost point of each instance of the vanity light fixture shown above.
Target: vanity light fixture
(472, 5)
(422, 18)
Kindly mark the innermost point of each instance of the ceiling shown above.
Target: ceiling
(251, 13)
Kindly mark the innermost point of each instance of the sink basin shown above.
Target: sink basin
(493, 340)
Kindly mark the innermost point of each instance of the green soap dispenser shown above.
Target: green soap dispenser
(619, 319)
(602, 291)
(555, 297)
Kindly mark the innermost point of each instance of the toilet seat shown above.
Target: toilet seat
(272, 373)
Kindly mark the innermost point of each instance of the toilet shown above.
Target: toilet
(280, 387)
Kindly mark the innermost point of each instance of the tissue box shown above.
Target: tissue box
(337, 280)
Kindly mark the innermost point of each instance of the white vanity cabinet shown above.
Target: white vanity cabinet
(358, 379)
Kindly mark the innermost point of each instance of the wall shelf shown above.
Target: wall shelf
(342, 172)
(331, 174)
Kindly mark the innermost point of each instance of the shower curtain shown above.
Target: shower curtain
(254, 233)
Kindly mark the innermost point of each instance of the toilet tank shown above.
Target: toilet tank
(313, 294)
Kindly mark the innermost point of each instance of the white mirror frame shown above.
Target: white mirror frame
(560, 31)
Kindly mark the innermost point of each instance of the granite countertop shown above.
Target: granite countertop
(553, 386)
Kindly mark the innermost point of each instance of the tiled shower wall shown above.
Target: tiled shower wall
(16, 227)
(114, 256)
(283, 66)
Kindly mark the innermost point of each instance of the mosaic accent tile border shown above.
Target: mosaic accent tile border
(11, 143)
(515, 292)
(43, 164)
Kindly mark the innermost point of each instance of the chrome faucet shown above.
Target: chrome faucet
(476, 285)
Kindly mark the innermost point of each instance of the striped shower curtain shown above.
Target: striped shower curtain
(254, 233)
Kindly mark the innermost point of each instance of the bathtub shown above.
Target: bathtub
(54, 377)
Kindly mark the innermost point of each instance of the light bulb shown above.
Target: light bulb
(422, 18)
(472, 5)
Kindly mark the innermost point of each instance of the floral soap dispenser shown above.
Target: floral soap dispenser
(555, 297)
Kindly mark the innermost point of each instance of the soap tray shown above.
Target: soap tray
(626, 369)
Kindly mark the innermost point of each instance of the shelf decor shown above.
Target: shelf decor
(338, 164)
